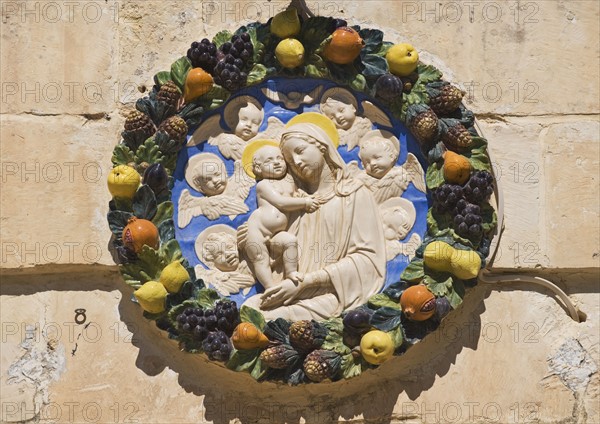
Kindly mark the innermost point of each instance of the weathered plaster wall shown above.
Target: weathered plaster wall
(70, 69)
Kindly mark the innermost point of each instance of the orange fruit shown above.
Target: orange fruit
(344, 47)
(140, 232)
(457, 168)
(247, 336)
(417, 303)
(197, 83)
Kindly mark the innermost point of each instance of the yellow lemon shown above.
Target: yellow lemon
(123, 181)
(286, 24)
(440, 256)
(290, 53)
(151, 297)
(402, 59)
(173, 276)
(376, 347)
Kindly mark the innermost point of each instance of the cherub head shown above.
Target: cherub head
(268, 162)
(206, 173)
(398, 216)
(339, 105)
(218, 249)
(244, 116)
(379, 151)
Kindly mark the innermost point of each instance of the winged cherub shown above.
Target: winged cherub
(379, 152)
(398, 216)
(206, 174)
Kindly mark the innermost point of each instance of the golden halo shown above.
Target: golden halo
(319, 120)
(249, 151)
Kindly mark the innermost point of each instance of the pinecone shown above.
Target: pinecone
(322, 364)
(279, 356)
(423, 123)
(455, 135)
(443, 97)
(175, 127)
(170, 94)
(307, 335)
(138, 128)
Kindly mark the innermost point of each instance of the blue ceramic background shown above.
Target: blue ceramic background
(187, 236)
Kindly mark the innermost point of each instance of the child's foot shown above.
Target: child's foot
(296, 277)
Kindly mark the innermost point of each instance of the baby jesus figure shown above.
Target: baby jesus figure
(276, 196)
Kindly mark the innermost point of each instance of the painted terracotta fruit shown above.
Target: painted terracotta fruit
(389, 87)
(247, 336)
(402, 59)
(290, 53)
(440, 256)
(197, 83)
(123, 181)
(457, 168)
(156, 177)
(286, 24)
(418, 303)
(139, 233)
(376, 347)
(173, 276)
(344, 47)
(151, 297)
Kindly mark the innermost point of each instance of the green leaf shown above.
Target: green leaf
(438, 223)
(373, 39)
(122, 155)
(375, 66)
(478, 155)
(170, 251)
(435, 175)
(148, 152)
(489, 218)
(243, 360)
(169, 162)
(161, 77)
(252, 316)
(207, 298)
(455, 297)
(385, 46)
(397, 336)
(257, 74)
(335, 336)
(144, 203)
(117, 221)
(166, 230)
(148, 267)
(386, 319)
(259, 370)
(428, 73)
(163, 212)
(222, 37)
(440, 284)
(314, 31)
(179, 71)
(351, 367)
(414, 272)
(316, 67)
(381, 300)
(359, 83)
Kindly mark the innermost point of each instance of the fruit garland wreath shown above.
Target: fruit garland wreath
(460, 222)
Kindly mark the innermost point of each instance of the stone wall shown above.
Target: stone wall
(69, 71)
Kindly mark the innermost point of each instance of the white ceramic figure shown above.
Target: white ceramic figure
(216, 247)
(244, 116)
(206, 174)
(341, 246)
(379, 151)
(398, 216)
(340, 105)
(294, 99)
(276, 197)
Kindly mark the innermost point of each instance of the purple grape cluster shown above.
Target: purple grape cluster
(228, 316)
(447, 196)
(197, 322)
(203, 55)
(217, 346)
(467, 219)
(234, 58)
(479, 188)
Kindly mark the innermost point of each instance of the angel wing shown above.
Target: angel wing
(189, 207)
(294, 99)
(353, 135)
(415, 172)
(230, 145)
(208, 129)
(390, 185)
(394, 248)
(376, 115)
(226, 283)
(273, 131)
